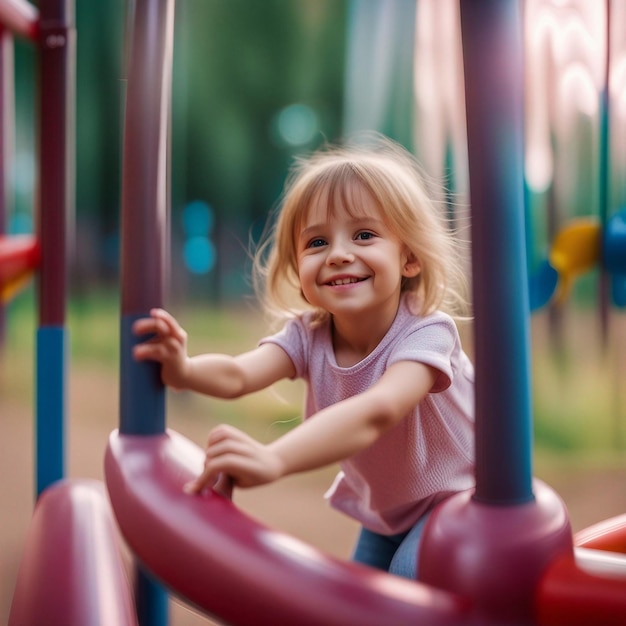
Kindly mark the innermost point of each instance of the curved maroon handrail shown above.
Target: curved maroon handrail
(20, 17)
(71, 571)
(214, 555)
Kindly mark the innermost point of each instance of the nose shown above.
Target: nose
(339, 253)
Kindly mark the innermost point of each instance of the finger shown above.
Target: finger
(228, 447)
(152, 351)
(227, 432)
(201, 483)
(152, 328)
(144, 326)
(168, 324)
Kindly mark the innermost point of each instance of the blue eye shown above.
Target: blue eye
(365, 235)
(317, 243)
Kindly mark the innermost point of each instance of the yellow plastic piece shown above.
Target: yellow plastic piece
(9, 290)
(575, 250)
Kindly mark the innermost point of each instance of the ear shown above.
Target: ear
(411, 267)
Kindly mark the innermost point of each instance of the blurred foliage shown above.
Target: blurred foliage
(237, 65)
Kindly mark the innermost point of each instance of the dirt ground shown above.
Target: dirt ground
(592, 490)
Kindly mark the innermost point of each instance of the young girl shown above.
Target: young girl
(362, 265)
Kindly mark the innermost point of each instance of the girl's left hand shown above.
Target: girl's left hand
(235, 454)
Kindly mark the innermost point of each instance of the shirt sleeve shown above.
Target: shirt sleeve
(293, 340)
(432, 343)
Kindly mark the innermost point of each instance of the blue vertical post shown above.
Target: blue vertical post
(493, 56)
(145, 199)
(56, 41)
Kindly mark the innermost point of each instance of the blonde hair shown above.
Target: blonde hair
(393, 178)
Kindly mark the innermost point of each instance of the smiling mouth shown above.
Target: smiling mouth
(345, 281)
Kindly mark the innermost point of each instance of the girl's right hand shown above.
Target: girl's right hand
(167, 346)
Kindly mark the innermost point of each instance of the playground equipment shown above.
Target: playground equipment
(71, 571)
(500, 554)
(19, 255)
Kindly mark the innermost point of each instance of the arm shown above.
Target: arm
(217, 375)
(331, 435)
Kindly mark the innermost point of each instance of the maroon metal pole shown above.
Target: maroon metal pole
(145, 160)
(145, 234)
(145, 203)
(57, 43)
(56, 205)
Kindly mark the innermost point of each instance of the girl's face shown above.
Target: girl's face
(349, 261)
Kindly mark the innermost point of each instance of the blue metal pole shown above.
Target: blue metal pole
(50, 371)
(494, 81)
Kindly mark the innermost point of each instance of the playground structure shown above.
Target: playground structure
(502, 554)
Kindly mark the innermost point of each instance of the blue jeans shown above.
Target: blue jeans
(396, 554)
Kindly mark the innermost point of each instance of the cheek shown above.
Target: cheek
(306, 270)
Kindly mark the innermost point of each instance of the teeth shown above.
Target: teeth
(344, 281)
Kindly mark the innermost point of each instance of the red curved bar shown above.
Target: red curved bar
(71, 571)
(19, 255)
(20, 17)
(214, 556)
(607, 535)
(589, 588)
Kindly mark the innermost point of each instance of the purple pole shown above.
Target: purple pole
(56, 39)
(493, 545)
(494, 81)
(145, 197)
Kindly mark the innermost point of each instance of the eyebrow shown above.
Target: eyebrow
(305, 232)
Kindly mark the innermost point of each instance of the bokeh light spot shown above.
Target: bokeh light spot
(296, 124)
(199, 255)
(198, 219)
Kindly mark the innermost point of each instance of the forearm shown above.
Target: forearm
(216, 375)
(224, 376)
(334, 434)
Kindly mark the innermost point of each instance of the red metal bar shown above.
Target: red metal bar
(20, 17)
(19, 255)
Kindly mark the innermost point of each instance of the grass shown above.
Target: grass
(578, 401)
